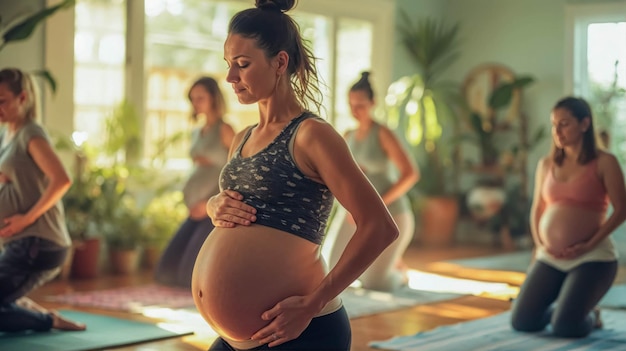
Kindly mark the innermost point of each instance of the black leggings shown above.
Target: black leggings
(26, 264)
(576, 294)
(328, 332)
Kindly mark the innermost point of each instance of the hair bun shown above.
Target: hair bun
(275, 5)
(365, 75)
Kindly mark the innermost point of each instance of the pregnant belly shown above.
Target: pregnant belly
(9, 204)
(561, 226)
(242, 272)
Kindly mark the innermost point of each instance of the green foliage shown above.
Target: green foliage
(604, 99)
(123, 135)
(484, 128)
(162, 217)
(421, 105)
(23, 29)
(101, 200)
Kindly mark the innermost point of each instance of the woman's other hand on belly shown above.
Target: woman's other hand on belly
(576, 250)
(289, 318)
(227, 209)
(4, 178)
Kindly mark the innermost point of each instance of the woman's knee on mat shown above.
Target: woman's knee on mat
(565, 327)
(526, 322)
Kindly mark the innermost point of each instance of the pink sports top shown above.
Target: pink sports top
(585, 190)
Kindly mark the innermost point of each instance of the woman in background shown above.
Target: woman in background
(209, 151)
(32, 222)
(376, 149)
(576, 261)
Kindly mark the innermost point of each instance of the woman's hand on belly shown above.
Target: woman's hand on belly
(227, 209)
(576, 250)
(289, 318)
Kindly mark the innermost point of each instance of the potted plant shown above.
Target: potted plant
(421, 106)
(79, 204)
(124, 235)
(499, 129)
(162, 217)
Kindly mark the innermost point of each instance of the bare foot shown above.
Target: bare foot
(598, 324)
(62, 323)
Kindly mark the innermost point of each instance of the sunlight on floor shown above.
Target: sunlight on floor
(184, 320)
(438, 283)
(513, 278)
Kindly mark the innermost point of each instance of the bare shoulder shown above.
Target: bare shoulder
(607, 161)
(544, 163)
(313, 130)
(227, 128)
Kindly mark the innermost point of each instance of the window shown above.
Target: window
(183, 39)
(99, 59)
(599, 68)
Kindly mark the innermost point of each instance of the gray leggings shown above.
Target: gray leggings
(382, 274)
(576, 294)
(26, 264)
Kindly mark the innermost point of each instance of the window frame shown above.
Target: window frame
(577, 18)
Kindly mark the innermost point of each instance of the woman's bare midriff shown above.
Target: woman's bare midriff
(561, 226)
(243, 271)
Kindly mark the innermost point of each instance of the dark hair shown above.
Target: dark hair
(364, 85)
(275, 31)
(218, 103)
(17, 82)
(580, 109)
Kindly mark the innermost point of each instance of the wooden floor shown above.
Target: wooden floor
(365, 329)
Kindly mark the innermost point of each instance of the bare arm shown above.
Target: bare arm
(324, 156)
(409, 174)
(613, 179)
(538, 205)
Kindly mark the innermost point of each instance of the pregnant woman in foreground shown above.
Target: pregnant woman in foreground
(576, 259)
(259, 279)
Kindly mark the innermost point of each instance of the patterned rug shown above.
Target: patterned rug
(129, 299)
(358, 302)
(495, 334)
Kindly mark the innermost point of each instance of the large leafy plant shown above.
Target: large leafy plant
(485, 128)
(23, 28)
(420, 105)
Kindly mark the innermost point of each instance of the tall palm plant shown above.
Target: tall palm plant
(421, 104)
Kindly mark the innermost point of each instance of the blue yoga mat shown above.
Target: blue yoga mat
(495, 334)
(615, 298)
(102, 332)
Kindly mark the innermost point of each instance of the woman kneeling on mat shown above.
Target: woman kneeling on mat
(576, 261)
(32, 224)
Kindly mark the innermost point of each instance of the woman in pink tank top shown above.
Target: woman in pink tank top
(576, 261)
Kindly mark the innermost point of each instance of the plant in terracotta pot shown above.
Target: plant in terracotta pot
(421, 107)
(162, 217)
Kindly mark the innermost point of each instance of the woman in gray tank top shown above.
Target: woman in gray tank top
(376, 149)
(209, 151)
(32, 225)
